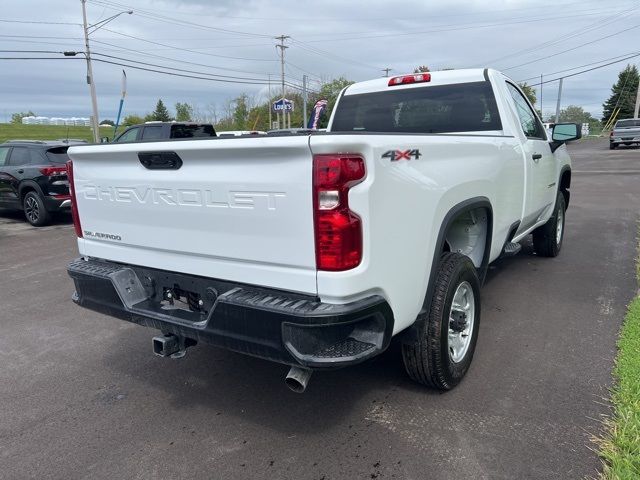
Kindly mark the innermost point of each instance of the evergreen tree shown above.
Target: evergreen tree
(160, 113)
(623, 95)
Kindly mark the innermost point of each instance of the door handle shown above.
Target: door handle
(536, 157)
(21, 171)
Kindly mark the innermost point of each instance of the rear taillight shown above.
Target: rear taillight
(52, 171)
(338, 230)
(408, 79)
(74, 203)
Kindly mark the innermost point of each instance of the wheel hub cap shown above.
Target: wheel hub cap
(461, 320)
(31, 209)
(559, 225)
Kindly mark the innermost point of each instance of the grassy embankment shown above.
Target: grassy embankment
(10, 131)
(620, 447)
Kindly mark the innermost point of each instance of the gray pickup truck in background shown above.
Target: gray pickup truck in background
(625, 132)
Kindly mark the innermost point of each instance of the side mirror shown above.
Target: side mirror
(104, 140)
(565, 132)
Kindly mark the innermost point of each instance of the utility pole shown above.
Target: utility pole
(541, 106)
(270, 105)
(92, 87)
(637, 109)
(282, 48)
(386, 71)
(304, 101)
(558, 103)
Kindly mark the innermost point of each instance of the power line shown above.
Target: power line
(176, 69)
(180, 74)
(161, 18)
(317, 51)
(584, 71)
(572, 34)
(626, 55)
(39, 23)
(189, 50)
(455, 27)
(162, 57)
(571, 49)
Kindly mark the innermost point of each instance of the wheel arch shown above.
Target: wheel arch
(564, 184)
(449, 219)
(28, 186)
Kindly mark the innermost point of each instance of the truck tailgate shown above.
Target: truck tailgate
(236, 209)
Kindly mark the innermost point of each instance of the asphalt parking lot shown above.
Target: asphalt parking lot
(82, 395)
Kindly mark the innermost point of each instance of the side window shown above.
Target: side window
(19, 156)
(36, 157)
(528, 118)
(152, 133)
(4, 153)
(128, 136)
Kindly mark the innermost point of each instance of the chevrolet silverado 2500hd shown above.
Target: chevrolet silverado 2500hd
(315, 250)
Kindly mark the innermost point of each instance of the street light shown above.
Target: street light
(87, 54)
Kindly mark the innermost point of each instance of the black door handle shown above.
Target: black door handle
(21, 171)
(536, 156)
(160, 160)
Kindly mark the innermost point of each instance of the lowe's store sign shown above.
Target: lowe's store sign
(282, 105)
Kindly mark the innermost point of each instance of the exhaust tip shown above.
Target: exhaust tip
(297, 379)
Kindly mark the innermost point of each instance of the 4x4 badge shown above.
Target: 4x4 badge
(395, 155)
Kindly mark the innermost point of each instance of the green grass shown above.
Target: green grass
(10, 131)
(620, 447)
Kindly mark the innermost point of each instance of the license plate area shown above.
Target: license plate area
(174, 296)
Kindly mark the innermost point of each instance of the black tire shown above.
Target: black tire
(545, 238)
(612, 146)
(428, 360)
(34, 210)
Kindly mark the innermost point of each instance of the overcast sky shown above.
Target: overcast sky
(357, 39)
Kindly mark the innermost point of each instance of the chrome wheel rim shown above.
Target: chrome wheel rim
(461, 320)
(31, 209)
(559, 225)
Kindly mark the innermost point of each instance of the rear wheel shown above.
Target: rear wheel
(547, 239)
(34, 210)
(447, 334)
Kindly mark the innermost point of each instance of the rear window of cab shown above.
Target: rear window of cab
(463, 107)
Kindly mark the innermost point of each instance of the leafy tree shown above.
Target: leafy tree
(184, 112)
(17, 117)
(132, 120)
(329, 92)
(241, 112)
(159, 114)
(106, 121)
(574, 114)
(529, 91)
(421, 69)
(623, 95)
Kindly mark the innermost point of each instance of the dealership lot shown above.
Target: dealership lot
(83, 396)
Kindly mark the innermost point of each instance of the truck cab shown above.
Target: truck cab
(154, 131)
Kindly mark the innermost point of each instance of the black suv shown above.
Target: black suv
(33, 178)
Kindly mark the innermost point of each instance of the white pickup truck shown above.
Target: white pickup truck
(314, 250)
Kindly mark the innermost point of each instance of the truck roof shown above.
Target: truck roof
(442, 77)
